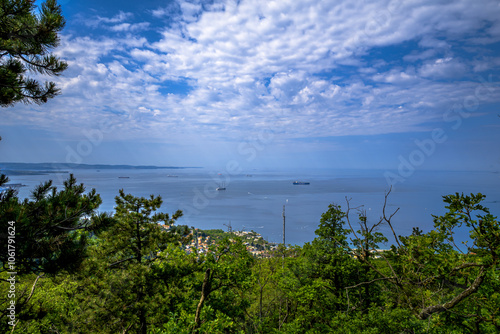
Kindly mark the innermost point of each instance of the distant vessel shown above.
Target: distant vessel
(12, 186)
(221, 187)
(124, 177)
(299, 182)
(172, 175)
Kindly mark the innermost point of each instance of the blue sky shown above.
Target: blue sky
(271, 84)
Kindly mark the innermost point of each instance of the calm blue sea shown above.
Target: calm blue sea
(254, 200)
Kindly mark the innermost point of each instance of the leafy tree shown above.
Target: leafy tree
(46, 227)
(52, 231)
(134, 275)
(227, 274)
(130, 279)
(318, 280)
(51, 305)
(122, 278)
(428, 274)
(329, 251)
(26, 40)
(265, 297)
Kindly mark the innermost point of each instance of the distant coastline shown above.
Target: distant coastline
(23, 168)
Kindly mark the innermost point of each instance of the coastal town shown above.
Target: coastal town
(201, 240)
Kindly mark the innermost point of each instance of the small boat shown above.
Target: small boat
(300, 183)
(124, 177)
(221, 187)
(11, 186)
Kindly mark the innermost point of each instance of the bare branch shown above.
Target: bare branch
(118, 262)
(390, 266)
(460, 267)
(428, 311)
(349, 221)
(388, 220)
(32, 289)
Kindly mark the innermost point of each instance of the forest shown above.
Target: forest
(68, 269)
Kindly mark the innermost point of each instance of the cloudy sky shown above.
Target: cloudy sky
(270, 84)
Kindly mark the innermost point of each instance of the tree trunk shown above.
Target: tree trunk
(144, 324)
(205, 291)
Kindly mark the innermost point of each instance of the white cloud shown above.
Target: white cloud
(96, 21)
(120, 17)
(118, 23)
(396, 76)
(164, 12)
(443, 68)
(130, 27)
(298, 68)
(486, 64)
(420, 55)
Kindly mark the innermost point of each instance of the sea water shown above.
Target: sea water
(256, 200)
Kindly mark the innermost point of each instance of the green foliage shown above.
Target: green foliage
(134, 274)
(428, 274)
(125, 264)
(483, 227)
(137, 234)
(227, 275)
(26, 39)
(53, 306)
(377, 320)
(52, 229)
(174, 325)
(215, 233)
(331, 226)
(51, 236)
